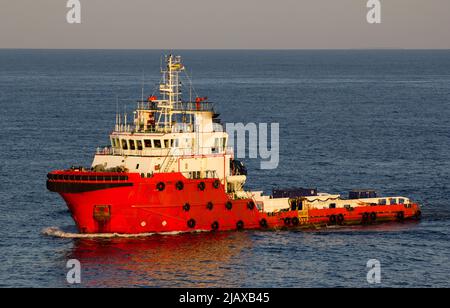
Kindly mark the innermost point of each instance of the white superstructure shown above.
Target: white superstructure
(170, 135)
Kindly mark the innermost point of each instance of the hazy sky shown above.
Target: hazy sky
(178, 24)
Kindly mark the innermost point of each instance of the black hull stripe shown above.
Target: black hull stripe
(77, 187)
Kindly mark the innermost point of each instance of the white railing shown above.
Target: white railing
(196, 175)
(164, 151)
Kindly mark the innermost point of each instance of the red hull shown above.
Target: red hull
(131, 204)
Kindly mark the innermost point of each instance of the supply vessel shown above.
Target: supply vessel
(171, 170)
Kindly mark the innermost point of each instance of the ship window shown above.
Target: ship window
(166, 143)
(148, 143)
(217, 145)
(139, 145)
(382, 201)
(137, 166)
(172, 142)
(401, 201)
(392, 201)
(157, 143)
(124, 144)
(132, 145)
(332, 205)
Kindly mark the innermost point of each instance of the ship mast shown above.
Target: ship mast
(170, 91)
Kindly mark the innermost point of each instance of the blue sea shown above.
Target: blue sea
(348, 119)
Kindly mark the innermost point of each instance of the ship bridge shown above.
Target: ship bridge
(168, 134)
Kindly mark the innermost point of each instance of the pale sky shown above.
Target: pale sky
(225, 24)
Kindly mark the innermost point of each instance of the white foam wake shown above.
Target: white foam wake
(57, 232)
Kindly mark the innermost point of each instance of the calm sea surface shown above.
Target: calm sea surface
(348, 119)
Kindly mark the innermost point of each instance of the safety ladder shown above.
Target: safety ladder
(169, 160)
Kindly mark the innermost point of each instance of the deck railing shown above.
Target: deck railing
(108, 150)
(178, 106)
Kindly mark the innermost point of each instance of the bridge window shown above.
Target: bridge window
(166, 143)
(157, 143)
(401, 201)
(132, 145)
(217, 145)
(139, 145)
(124, 144)
(148, 143)
(392, 201)
(382, 201)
